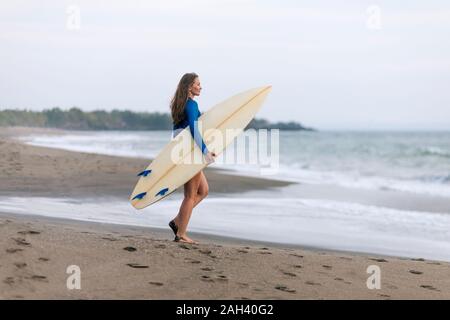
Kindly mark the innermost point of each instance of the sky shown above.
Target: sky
(333, 65)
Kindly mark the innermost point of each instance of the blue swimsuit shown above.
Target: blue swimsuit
(192, 114)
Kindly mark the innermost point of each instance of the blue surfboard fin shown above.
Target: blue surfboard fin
(144, 173)
(140, 196)
(162, 192)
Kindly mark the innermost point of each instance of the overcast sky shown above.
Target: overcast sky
(332, 64)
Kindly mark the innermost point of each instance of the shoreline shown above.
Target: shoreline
(205, 238)
(166, 234)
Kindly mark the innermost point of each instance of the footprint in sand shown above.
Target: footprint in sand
(342, 280)
(193, 261)
(206, 278)
(312, 283)
(298, 266)
(289, 273)
(296, 255)
(222, 278)
(39, 278)
(378, 260)
(208, 253)
(345, 258)
(242, 251)
(29, 232)
(21, 241)
(9, 280)
(44, 259)
(13, 250)
(327, 267)
(137, 266)
(160, 246)
(415, 272)
(130, 249)
(158, 284)
(208, 269)
(110, 239)
(20, 265)
(285, 289)
(425, 286)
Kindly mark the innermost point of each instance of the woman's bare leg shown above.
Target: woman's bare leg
(195, 190)
(203, 189)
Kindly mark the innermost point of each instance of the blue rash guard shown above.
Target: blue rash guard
(192, 114)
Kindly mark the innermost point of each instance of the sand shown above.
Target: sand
(119, 262)
(123, 262)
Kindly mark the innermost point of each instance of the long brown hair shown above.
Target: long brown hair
(181, 95)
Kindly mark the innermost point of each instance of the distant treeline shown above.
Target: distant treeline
(76, 119)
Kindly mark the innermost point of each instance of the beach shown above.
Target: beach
(130, 262)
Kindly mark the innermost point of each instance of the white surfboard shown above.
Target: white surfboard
(181, 158)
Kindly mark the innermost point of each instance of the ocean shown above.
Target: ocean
(415, 162)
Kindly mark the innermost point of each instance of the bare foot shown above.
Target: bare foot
(186, 239)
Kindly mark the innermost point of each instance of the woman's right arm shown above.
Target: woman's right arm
(192, 117)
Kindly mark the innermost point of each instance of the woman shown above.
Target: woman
(185, 113)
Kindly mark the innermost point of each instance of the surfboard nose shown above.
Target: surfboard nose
(266, 87)
(263, 91)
